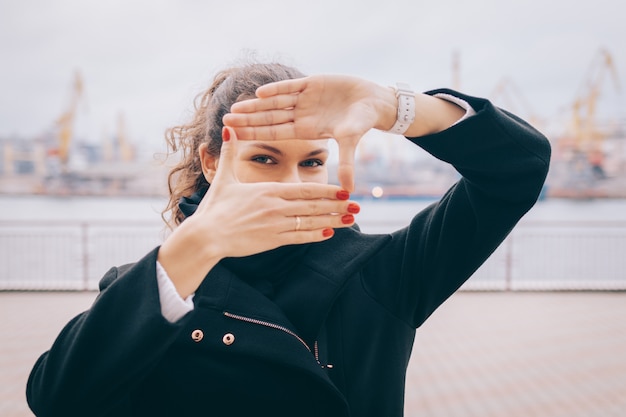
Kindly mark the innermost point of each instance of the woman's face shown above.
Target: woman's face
(288, 161)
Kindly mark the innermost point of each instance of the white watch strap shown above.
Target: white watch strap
(406, 108)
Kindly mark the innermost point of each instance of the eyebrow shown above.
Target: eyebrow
(280, 153)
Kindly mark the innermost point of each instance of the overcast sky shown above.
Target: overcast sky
(147, 59)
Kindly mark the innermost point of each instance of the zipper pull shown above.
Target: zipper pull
(316, 351)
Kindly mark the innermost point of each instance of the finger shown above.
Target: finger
(319, 207)
(305, 236)
(309, 191)
(335, 221)
(225, 168)
(267, 133)
(282, 87)
(283, 101)
(345, 168)
(261, 118)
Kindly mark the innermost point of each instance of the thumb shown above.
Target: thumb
(345, 170)
(225, 165)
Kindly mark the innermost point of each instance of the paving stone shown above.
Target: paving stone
(487, 354)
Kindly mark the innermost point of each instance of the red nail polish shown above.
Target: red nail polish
(343, 195)
(225, 134)
(347, 219)
(328, 232)
(353, 208)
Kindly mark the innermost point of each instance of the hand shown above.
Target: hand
(238, 219)
(316, 107)
(255, 217)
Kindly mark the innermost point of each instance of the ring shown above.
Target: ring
(298, 223)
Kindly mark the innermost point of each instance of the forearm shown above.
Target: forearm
(504, 163)
(105, 352)
(494, 151)
(187, 259)
(432, 114)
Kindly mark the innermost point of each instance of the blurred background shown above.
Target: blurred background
(87, 90)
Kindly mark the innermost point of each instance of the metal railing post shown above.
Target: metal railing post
(85, 252)
(508, 277)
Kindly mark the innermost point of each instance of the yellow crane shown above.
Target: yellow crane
(586, 134)
(65, 122)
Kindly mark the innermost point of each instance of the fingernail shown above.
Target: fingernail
(347, 219)
(343, 195)
(353, 208)
(328, 232)
(225, 134)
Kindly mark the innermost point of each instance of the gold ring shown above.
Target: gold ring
(298, 223)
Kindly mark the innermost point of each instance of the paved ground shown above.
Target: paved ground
(481, 354)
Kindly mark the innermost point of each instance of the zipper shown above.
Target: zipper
(316, 353)
(315, 350)
(270, 325)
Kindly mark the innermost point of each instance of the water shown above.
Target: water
(45, 208)
(68, 243)
(389, 212)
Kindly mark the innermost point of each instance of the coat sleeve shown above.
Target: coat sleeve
(103, 353)
(503, 163)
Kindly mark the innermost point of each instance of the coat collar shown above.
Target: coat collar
(302, 301)
(308, 295)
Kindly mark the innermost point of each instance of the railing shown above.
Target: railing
(66, 255)
(535, 256)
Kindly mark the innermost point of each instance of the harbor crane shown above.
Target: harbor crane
(65, 122)
(586, 134)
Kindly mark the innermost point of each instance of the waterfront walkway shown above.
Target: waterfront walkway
(500, 354)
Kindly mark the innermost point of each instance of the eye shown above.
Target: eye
(263, 159)
(312, 163)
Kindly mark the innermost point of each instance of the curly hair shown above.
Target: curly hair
(228, 87)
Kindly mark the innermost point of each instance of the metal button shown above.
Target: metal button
(197, 335)
(228, 339)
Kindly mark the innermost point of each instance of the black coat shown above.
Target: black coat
(239, 353)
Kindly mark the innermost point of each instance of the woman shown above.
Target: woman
(266, 299)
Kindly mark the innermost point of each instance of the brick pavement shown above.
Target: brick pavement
(481, 354)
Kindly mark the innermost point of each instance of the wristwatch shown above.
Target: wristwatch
(406, 108)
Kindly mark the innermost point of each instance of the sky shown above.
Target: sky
(148, 59)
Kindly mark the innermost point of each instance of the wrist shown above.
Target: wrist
(387, 108)
(187, 258)
(435, 115)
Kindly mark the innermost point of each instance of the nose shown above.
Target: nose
(291, 176)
